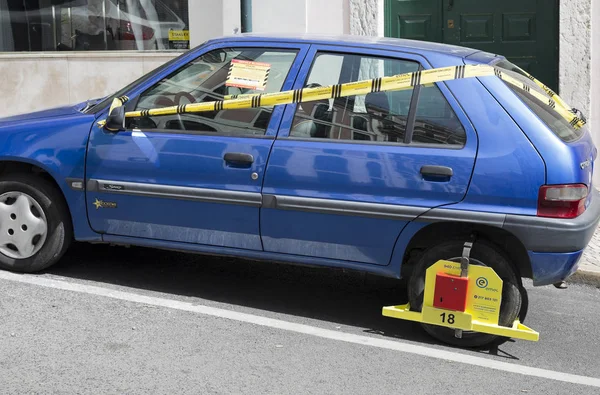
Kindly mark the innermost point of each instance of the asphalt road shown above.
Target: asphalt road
(117, 320)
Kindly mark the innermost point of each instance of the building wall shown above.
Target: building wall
(575, 61)
(595, 103)
(300, 16)
(366, 17)
(34, 81)
(213, 18)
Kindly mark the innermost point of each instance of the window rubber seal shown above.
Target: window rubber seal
(412, 113)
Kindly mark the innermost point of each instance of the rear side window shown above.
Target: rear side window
(555, 122)
(378, 116)
(435, 121)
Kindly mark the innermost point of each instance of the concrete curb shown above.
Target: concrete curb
(586, 275)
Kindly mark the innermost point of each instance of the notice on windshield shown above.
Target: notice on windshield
(248, 74)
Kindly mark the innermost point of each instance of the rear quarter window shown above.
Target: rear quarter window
(555, 122)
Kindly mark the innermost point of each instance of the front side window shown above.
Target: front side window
(378, 116)
(93, 25)
(209, 78)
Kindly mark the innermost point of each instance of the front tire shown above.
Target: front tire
(35, 225)
(482, 253)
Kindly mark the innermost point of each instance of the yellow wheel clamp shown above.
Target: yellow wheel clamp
(463, 297)
(460, 296)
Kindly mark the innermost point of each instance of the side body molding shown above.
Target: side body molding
(175, 192)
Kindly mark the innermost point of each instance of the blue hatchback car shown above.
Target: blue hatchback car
(386, 183)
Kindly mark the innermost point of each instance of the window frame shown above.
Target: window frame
(302, 78)
(136, 88)
(271, 130)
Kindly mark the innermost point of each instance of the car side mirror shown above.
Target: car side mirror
(116, 120)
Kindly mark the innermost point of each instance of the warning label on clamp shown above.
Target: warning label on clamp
(248, 74)
(484, 294)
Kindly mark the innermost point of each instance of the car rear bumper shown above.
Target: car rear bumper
(556, 235)
(550, 268)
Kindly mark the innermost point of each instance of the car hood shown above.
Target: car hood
(44, 114)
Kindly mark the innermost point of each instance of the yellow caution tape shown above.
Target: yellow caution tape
(118, 102)
(394, 83)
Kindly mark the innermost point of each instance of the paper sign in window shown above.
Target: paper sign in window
(248, 74)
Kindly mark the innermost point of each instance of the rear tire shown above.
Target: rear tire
(483, 253)
(58, 234)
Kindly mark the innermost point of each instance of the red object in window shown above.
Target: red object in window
(562, 201)
(450, 292)
(128, 34)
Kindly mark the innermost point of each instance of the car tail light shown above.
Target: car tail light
(562, 201)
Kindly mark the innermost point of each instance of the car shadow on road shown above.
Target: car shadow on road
(337, 296)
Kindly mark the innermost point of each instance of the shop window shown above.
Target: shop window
(93, 25)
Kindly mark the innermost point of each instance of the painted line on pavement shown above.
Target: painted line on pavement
(394, 345)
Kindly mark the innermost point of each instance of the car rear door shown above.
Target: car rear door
(192, 178)
(345, 175)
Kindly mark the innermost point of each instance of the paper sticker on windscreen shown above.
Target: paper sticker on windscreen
(248, 74)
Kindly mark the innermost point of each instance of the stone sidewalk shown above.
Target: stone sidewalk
(589, 266)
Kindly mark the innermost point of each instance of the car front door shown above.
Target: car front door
(192, 178)
(345, 175)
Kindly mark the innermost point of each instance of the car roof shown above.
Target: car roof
(395, 44)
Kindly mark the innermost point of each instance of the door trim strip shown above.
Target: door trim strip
(175, 192)
(343, 207)
(294, 203)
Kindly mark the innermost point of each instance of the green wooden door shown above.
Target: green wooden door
(525, 31)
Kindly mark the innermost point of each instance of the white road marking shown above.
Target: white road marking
(303, 329)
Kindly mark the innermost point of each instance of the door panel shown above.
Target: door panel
(165, 186)
(341, 183)
(192, 178)
(524, 31)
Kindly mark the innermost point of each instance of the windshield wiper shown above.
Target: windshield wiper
(89, 104)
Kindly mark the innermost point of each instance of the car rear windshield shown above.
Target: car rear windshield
(555, 122)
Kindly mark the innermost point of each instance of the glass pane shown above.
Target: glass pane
(377, 116)
(436, 122)
(94, 25)
(206, 79)
(555, 122)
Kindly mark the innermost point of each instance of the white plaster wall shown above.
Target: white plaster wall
(366, 17)
(575, 53)
(327, 17)
(35, 81)
(232, 17)
(279, 16)
(206, 20)
(300, 16)
(213, 18)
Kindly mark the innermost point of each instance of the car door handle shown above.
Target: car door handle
(239, 159)
(436, 173)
